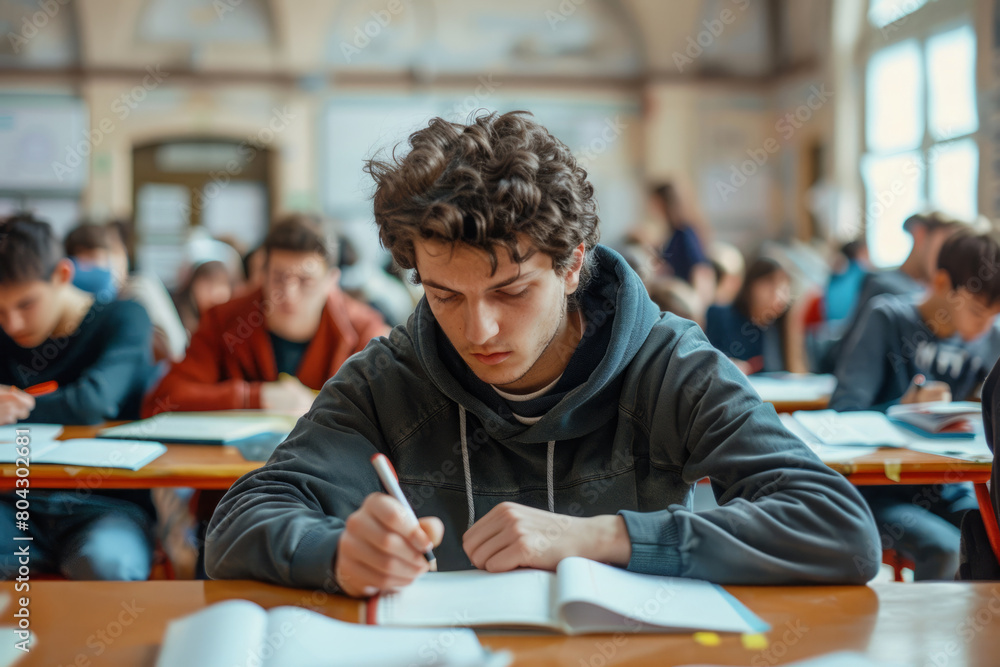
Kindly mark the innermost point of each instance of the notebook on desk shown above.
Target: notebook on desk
(955, 419)
(35, 432)
(581, 597)
(207, 428)
(238, 632)
(865, 428)
(124, 454)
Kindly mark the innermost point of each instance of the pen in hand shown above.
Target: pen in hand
(386, 474)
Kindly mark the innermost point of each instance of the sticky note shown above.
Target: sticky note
(893, 470)
(754, 642)
(707, 638)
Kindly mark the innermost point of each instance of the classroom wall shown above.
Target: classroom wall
(699, 129)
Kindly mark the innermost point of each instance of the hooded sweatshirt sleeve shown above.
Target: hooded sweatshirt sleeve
(862, 366)
(783, 517)
(281, 523)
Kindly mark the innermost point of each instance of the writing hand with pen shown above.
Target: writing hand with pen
(384, 546)
(15, 404)
(922, 391)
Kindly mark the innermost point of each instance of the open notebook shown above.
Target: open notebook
(957, 419)
(238, 632)
(866, 428)
(217, 428)
(125, 454)
(582, 596)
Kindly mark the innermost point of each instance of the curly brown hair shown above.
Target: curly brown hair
(485, 184)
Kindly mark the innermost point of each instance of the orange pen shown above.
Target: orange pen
(42, 388)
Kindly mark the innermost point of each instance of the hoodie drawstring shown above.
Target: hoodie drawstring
(549, 484)
(549, 470)
(466, 468)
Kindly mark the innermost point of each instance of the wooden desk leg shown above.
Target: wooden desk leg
(989, 518)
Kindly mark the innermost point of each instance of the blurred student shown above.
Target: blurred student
(929, 232)
(208, 285)
(105, 266)
(253, 267)
(937, 349)
(366, 281)
(757, 331)
(730, 269)
(674, 296)
(848, 273)
(298, 324)
(88, 248)
(834, 310)
(67, 358)
(684, 252)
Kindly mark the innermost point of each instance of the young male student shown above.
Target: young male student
(929, 231)
(298, 324)
(66, 358)
(536, 406)
(948, 342)
(101, 261)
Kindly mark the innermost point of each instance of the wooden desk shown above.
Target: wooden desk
(119, 623)
(904, 466)
(197, 466)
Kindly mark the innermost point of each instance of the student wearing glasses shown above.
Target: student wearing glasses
(298, 326)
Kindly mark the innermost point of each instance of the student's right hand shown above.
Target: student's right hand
(381, 549)
(15, 404)
(926, 392)
(287, 395)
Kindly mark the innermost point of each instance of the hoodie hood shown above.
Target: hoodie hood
(584, 407)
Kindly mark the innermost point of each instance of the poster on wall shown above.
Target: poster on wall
(50, 142)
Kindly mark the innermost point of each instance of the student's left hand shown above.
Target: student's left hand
(512, 536)
(14, 404)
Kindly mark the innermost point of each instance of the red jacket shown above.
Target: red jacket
(230, 355)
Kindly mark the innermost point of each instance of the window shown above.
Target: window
(881, 13)
(920, 120)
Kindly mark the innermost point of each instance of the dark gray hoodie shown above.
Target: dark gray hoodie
(661, 410)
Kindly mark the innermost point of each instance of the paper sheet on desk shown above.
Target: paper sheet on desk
(781, 387)
(826, 453)
(865, 428)
(37, 432)
(974, 450)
